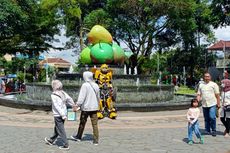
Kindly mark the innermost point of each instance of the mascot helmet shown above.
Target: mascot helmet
(104, 68)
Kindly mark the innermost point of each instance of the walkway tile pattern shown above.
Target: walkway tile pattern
(23, 131)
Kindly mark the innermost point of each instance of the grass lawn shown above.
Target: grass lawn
(185, 90)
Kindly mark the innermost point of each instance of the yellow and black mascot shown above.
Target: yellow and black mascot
(103, 78)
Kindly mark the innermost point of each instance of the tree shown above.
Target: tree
(145, 26)
(25, 27)
(220, 12)
(70, 14)
(136, 23)
(190, 23)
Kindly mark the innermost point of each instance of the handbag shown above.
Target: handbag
(71, 115)
(227, 107)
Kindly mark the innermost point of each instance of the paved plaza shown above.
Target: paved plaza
(23, 131)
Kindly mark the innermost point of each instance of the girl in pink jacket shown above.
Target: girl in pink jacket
(193, 123)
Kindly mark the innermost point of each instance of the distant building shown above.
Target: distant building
(58, 63)
(8, 57)
(223, 46)
(222, 64)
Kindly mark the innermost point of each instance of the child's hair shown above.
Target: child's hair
(192, 101)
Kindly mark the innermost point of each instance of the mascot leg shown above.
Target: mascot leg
(112, 113)
(100, 113)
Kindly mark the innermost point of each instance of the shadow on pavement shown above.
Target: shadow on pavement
(86, 137)
(203, 132)
(185, 140)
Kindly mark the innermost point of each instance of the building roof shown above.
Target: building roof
(220, 45)
(57, 62)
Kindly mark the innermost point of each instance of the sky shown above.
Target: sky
(222, 33)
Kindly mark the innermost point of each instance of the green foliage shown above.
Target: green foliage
(185, 90)
(29, 27)
(220, 12)
(42, 75)
(29, 77)
(195, 61)
(99, 17)
(26, 27)
(20, 76)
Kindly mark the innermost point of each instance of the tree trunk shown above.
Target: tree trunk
(81, 35)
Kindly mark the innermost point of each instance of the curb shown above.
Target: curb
(24, 105)
(144, 107)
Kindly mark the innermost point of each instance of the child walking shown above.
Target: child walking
(59, 101)
(193, 123)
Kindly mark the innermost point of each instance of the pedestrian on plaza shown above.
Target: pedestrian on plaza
(59, 101)
(2, 86)
(88, 101)
(198, 84)
(225, 108)
(193, 123)
(208, 92)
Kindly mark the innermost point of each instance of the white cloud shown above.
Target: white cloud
(67, 55)
(222, 33)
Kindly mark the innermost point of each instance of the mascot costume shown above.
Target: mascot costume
(103, 77)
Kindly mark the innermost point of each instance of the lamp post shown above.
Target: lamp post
(46, 67)
(24, 74)
(184, 75)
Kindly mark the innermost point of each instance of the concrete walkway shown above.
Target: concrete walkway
(23, 131)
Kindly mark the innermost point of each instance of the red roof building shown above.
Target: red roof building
(220, 45)
(58, 63)
(225, 47)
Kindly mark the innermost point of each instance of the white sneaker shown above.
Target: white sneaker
(95, 143)
(75, 138)
(48, 141)
(64, 147)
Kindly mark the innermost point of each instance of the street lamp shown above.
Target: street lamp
(24, 74)
(46, 67)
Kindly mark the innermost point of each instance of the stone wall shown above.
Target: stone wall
(117, 80)
(125, 93)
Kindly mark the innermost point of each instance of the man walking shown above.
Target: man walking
(88, 101)
(209, 94)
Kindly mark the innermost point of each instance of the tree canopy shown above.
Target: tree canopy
(220, 12)
(145, 26)
(25, 27)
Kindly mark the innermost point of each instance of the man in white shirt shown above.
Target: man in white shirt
(209, 94)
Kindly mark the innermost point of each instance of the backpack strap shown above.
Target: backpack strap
(64, 101)
(94, 92)
(56, 95)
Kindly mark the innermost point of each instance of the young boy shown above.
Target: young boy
(59, 101)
